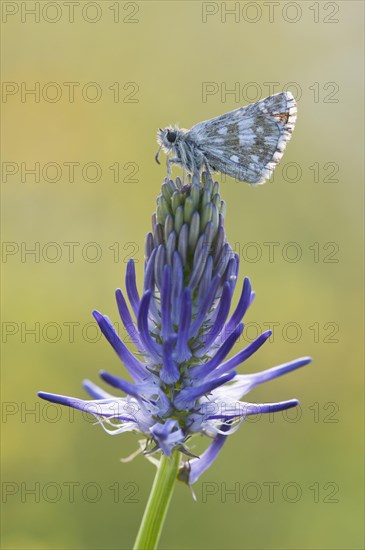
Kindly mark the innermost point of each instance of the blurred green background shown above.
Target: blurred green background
(137, 66)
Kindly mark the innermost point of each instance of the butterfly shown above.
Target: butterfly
(246, 143)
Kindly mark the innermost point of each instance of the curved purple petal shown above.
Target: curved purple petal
(243, 383)
(154, 349)
(205, 281)
(205, 306)
(206, 369)
(242, 306)
(149, 273)
(264, 408)
(166, 303)
(96, 392)
(177, 286)
(167, 435)
(187, 397)
(223, 310)
(120, 384)
(243, 355)
(170, 372)
(127, 320)
(131, 286)
(182, 351)
(101, 407)
(135, 367)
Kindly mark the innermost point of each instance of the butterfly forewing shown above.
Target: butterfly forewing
(247, 143)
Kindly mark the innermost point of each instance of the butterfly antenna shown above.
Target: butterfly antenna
(158, 154)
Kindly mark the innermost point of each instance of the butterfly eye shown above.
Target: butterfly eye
(171, 136)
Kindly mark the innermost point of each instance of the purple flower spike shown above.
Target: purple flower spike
(182, 382)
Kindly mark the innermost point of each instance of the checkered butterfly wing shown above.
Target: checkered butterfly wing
(248, 143)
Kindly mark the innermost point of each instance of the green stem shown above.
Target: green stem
(158, 503)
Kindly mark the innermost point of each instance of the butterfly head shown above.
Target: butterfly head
(168, 139)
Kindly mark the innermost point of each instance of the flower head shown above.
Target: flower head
(183, 383)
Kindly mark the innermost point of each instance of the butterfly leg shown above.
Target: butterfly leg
(171, 161)
(207, 167)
